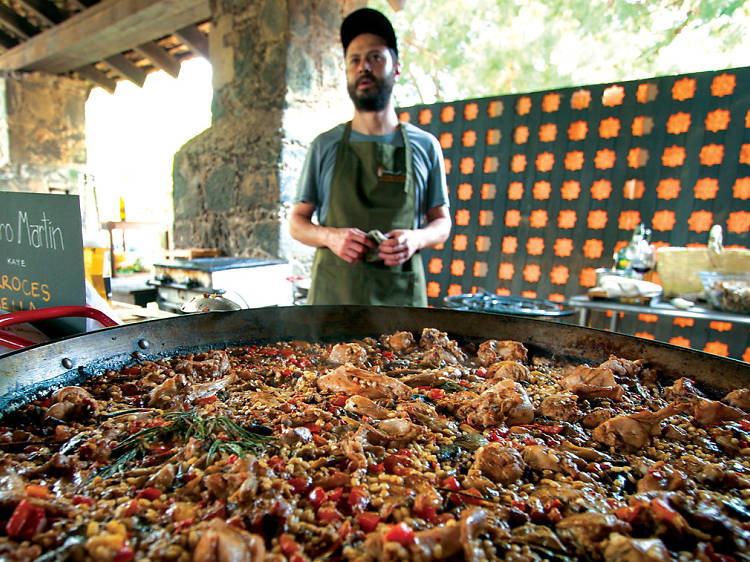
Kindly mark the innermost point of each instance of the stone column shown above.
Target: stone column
(278, 81)
(42, 133)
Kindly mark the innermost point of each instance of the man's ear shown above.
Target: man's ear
(397, 69)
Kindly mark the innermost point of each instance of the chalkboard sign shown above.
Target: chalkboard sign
(41, 249)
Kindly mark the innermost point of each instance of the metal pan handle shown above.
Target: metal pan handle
(17, 342)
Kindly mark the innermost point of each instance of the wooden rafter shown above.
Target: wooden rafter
(45, 11)
(93, 74)
(159, 57)
(16, 24)
(126, 69)
(7, 41)
(194, 39)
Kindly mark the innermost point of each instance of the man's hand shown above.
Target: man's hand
(399, 247)
(350, 244)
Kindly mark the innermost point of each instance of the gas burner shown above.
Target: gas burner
(486, 302)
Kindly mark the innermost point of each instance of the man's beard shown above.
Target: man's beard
(376, 97)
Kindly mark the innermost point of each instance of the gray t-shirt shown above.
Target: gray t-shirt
(429, 169)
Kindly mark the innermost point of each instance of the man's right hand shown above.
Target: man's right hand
(350, 244)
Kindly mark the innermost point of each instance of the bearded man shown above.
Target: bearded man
(377, 185)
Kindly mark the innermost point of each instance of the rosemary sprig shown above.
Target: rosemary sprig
(224, 435)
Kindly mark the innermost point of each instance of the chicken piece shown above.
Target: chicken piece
(438, 357)
(739, 398)
(399, 432)
(492, 351)
(206, 389)
(712, 412)
(621, 548)
(660, 476)
(596, 417)
(212, 364)
(400, 342)
(473, 523)
(426, 414)
(500, 464)
(163, 478)
(562, 406)
(71, 403)
(506, 401)
(633, 431)
(220, 542)
(623, 368)
(426, 543)
(164, 395)
(432, 337)
(352, 353)
(365, 407)
(594, 376)
(352, 380)
(540, 457)
(683, 388)
(585, 453)
(583, 531)
(295, 436)
(588, 391)
(538, 535)
(454, 402)
(508, 370)
(425, 378)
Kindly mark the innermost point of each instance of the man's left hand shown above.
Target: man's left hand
(399, 247)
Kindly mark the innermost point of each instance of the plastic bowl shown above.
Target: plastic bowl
(729, 292)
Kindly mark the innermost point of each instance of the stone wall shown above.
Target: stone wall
(42, 133)
(278, 81)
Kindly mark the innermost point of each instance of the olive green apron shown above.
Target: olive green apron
(372, 188)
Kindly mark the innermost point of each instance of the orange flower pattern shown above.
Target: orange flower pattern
(741, 189)
(574, 160)
(649, 318)
(559, 275)
(747, 119)
(448, 165)
(454, 289)
(711, 154)
(580, 99)
(515, 190)
(521, 134)
(493, 137)
(717, 348)
(480, 269)
(535, 246)
(483, 244)
(471, 110)
(738, 222)
(447, 114)
(528, 294)
(433, 289)
(701, 221)
(628, 220)
(597, 219)
(593, 249)
(425, 117)
(469, 138)
(609, 128)
(668, 188)
(556, 297)
(435, 266)
(458, 267)
(678, 123)
(491, 164)
(646, 92)
(577, 130)
(486, 217)
(587, 278)
(706, 188)
(545, 161)
(601, 189)
(446, 141)
(683, 89)
(550, 103)
(567, 219)
(605, 159)
(680, 341)
(570, 190)
(717, 120)
(462, 217)
(720, 326)
(723, 85)
(495, 108)
(506, 271)
(637, 157)
(612, 96)
(663, 220)
(673, 156)
(745, 154)
(644, 335)
(464, 191)
(489, 191)
(460, 242)
(548, 132)
(467, 165)
(512, 218)
(563, 247)
(532, 273)
(538, 218)
(542, 190)
(404, 116)
(523, 105)
(633, 189)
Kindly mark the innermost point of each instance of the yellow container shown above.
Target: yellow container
(93, 265)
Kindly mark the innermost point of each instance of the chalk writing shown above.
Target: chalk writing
(41, 234)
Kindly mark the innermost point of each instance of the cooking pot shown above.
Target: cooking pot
(36, 369)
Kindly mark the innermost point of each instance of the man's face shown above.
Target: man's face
(370, 72)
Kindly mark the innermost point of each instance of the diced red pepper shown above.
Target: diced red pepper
(286, 351)
(288, 545)
(662, 510)
(400, 533)
(132, 508)
(131, 371)
(388, 355)
(26, 521)
(317, 496)
(329, 514)
(339, 401)
(78, 500)
(36, 491)
(206, 400)
(745, 424)
(549, 429)
(300, 485)
(629, 513)
(358, 499)
(184, 524)
(125, 554)
(426, 512)
(378, 468)
(335, 494)
(277, 463)
(396, 464)
(481, 372)
(319, 440)
(436, 394)
(451, 483)
(368, 520)
(149, 493)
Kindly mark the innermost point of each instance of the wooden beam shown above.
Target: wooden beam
(126, 69)
(194, 40)
(92, 74)
(7, 41)
(15, 23)
(44, 10)
(108, 28)
(159, 57)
